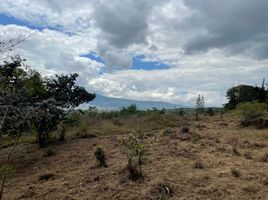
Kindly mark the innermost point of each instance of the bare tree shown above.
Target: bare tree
(199, 106)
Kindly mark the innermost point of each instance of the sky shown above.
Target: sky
(168, 51)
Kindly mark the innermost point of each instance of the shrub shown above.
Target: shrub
(100, 156)
(210, 112)
(50, 152)
(135, 150)
(181, 113)
(236, 152)
(6, 170)
(250, 111)
(61, 131)
(195, 137)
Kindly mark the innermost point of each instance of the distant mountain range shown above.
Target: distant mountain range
(110, 103)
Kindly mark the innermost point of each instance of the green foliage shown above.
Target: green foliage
(27, 98)
(246, 93)
(195, 137)
(73, 118)
(181, 112)
(50, 152)
(130, 110)
(250, 111)
(6, 170)
(135, 150)
(100, 156)
(210, 112)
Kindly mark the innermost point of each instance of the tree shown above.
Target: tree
(246, 93)
(28, 101)
(199, 106)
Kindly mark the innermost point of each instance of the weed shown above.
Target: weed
(236, 152)
(235, 172)
(50, 152)
(6, 170)
(100, 156)
(199, 165)
(46, 177)
(195, 137)
(247, 155)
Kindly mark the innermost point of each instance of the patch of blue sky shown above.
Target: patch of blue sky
(93, 56)
(6, 19)
(138, 63)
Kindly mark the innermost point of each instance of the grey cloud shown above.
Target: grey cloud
(123, 23)
(226, 24)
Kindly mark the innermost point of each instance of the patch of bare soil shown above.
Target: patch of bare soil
(223, 162)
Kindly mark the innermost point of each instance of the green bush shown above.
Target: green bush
(250, 111)
(210, 112)
(100, 156)
(135, 150)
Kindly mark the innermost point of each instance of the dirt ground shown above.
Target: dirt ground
(225, 162)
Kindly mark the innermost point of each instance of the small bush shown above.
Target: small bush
(135, 150)
(6, 170)
(210, 112)
(100, 156)
(50, 152)
(247, 155)
(235, 172)
(199, 165)
(195, 137)
(250, 111)
(46, 177)
(236, 152)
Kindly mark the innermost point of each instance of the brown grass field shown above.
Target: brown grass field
(224, 162)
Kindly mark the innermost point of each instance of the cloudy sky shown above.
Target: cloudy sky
(167, 51)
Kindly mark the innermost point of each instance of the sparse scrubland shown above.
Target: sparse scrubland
(219, 160)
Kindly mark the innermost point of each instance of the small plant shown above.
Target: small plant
(135, 150)
(6, 170)
(235, 172)
(50, 152)
(236, 152)
(195, 137)
(247, 155)
(210, 112)
(100, 156)
(199, 165)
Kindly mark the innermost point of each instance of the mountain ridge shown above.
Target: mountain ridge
(112, 103)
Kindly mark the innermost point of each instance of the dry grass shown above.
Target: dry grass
(208, 168)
